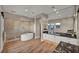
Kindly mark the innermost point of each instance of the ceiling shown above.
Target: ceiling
(53, 11)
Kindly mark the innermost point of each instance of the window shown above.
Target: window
(58, 25)
(54, 26)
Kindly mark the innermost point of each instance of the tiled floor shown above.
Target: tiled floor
(31, 46)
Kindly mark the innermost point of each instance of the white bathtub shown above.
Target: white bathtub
(26, 36)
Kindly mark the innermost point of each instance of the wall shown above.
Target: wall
(78, 27)
(66, 24)
(43, 24)
(16, 25)
(39, 25)
(38, 29)
(1, 32)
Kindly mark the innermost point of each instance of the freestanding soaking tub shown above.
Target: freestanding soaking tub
(26, 36)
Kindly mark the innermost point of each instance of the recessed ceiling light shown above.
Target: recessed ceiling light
(55, 9)
(26, 10)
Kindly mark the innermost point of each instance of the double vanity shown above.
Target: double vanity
(57, 39)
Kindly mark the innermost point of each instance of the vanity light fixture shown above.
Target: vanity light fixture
(55, 9)
(58, 23)
(2, 13)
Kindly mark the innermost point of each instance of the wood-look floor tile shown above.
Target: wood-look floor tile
(30, 46)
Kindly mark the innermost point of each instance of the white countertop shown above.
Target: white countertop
(60, 38)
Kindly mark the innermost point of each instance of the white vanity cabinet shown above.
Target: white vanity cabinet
(57, 39)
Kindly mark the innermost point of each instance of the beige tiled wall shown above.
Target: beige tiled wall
(15, 25)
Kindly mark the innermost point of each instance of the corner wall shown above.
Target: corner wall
(16, 25)
(1, 32)
(78, 27)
